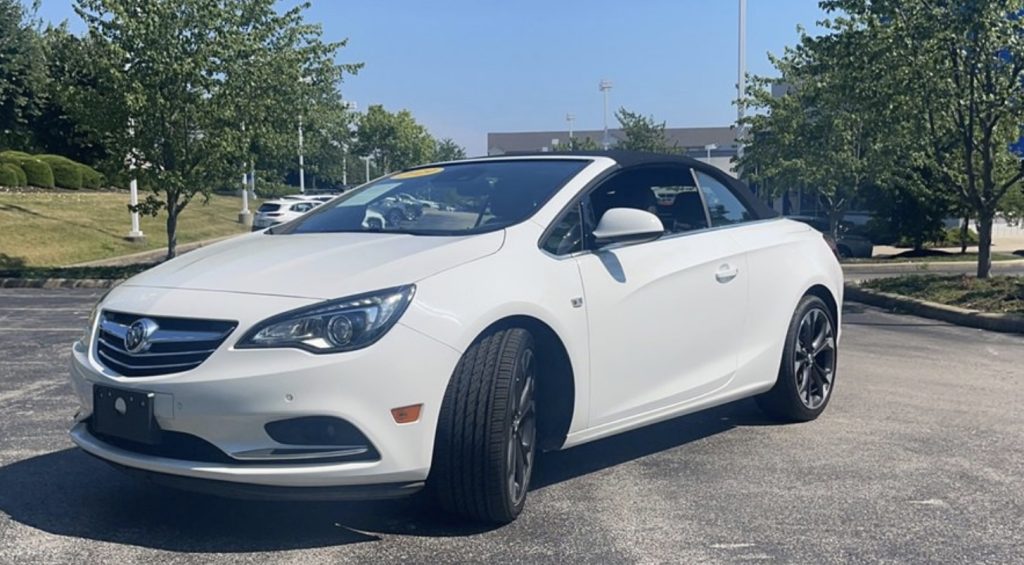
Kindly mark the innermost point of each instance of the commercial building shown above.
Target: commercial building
(716, 145)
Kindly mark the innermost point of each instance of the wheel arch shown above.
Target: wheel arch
(556, 387)
(822, 292)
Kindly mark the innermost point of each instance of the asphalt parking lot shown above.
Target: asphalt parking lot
(919, 458)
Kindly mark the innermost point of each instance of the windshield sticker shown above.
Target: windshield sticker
(418, 173)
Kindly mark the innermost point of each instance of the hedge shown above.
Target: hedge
(19, 173)
(66, 173)
(37, 173)
(7, 175)
(91, 178)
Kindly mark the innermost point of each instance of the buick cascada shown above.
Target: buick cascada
(548, 301)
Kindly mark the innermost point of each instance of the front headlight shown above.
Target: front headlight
(333, 326)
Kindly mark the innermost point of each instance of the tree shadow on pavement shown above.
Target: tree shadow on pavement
(69, 493)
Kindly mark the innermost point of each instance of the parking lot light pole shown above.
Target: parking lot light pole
(570, 118)
(604, 86)
(366, 161)
(709, 148)
(302, 171)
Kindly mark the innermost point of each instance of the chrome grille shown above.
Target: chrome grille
(178, 344)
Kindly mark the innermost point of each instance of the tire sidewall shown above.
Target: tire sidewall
(787, 383)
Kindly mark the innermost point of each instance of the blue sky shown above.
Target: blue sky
(466, 67)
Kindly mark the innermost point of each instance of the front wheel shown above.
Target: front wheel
(486, 434)
(808, 370)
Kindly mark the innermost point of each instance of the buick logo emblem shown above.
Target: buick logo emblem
(120, 406)
(136, 339)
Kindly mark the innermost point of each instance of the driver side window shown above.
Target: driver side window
(667, 192)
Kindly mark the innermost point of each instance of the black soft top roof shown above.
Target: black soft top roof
(629, 159)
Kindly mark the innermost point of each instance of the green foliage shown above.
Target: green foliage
(37, 172)
(22, 74)
(447, 150)
(19, 173)
(948, 73)
(268, 190)
(180, 78)
(91, 178)
(577, 144)
(394, 141)
(66, 173)
(642, 133)
(9, 176)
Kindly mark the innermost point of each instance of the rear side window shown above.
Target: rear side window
(723, 206)
(270, 207)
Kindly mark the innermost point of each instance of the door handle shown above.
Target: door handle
(726, 273)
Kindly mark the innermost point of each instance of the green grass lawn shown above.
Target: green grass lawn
(62, 227)
(1003, 294)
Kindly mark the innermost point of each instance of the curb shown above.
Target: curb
(1006, 323)
(58, 283)
(912, 267)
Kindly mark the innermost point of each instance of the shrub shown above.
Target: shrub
(19, 173)
(37, 173)
(7, 175)
(269, 189)
(66, 173)
(91, 178)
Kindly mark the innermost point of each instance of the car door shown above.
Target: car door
(663, 315)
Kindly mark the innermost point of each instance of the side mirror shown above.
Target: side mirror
(620, 225)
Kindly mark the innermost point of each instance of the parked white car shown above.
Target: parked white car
(560, 300)
(274, 212)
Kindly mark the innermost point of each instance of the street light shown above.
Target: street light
(570, 119)
(366, 161)
(302, 170)
(604, 86)
(709, 148)
(135, 234)
(741, 71)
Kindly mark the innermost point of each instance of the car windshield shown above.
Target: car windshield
(455, 199)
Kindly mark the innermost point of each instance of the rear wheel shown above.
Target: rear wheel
(395, 218)
(486, 435)
(808, 370)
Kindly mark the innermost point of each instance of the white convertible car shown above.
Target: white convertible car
(551, 300)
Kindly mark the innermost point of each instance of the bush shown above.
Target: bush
(16, 170)
(7, 175)
(66, 173)
(91, 178)
(269, 189)
(37, 173)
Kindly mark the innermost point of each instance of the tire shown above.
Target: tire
(806, 380)
(482, 433)
(395, 218)
(374, 224)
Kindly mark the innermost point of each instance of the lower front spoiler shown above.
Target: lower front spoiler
(248, 491)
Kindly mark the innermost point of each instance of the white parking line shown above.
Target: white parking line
(41, 330)
(43, 308)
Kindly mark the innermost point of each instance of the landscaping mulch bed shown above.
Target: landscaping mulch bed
(997, 294)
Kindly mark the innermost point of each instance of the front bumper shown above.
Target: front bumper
(229, 399)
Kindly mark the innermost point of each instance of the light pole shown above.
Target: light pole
(604, 86)
(302, 171)
(570, 119)
(366, 161)
(709, 148)
(741, 71)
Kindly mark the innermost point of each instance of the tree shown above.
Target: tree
(577, 144)
(177, 90)
(393, 140)
(827, 133)
(447, 150)
(22, 75)
(955, 71)
(643, 133)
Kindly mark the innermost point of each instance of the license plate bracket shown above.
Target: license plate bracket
(124, 414)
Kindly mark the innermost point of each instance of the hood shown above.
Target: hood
(320, 266)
